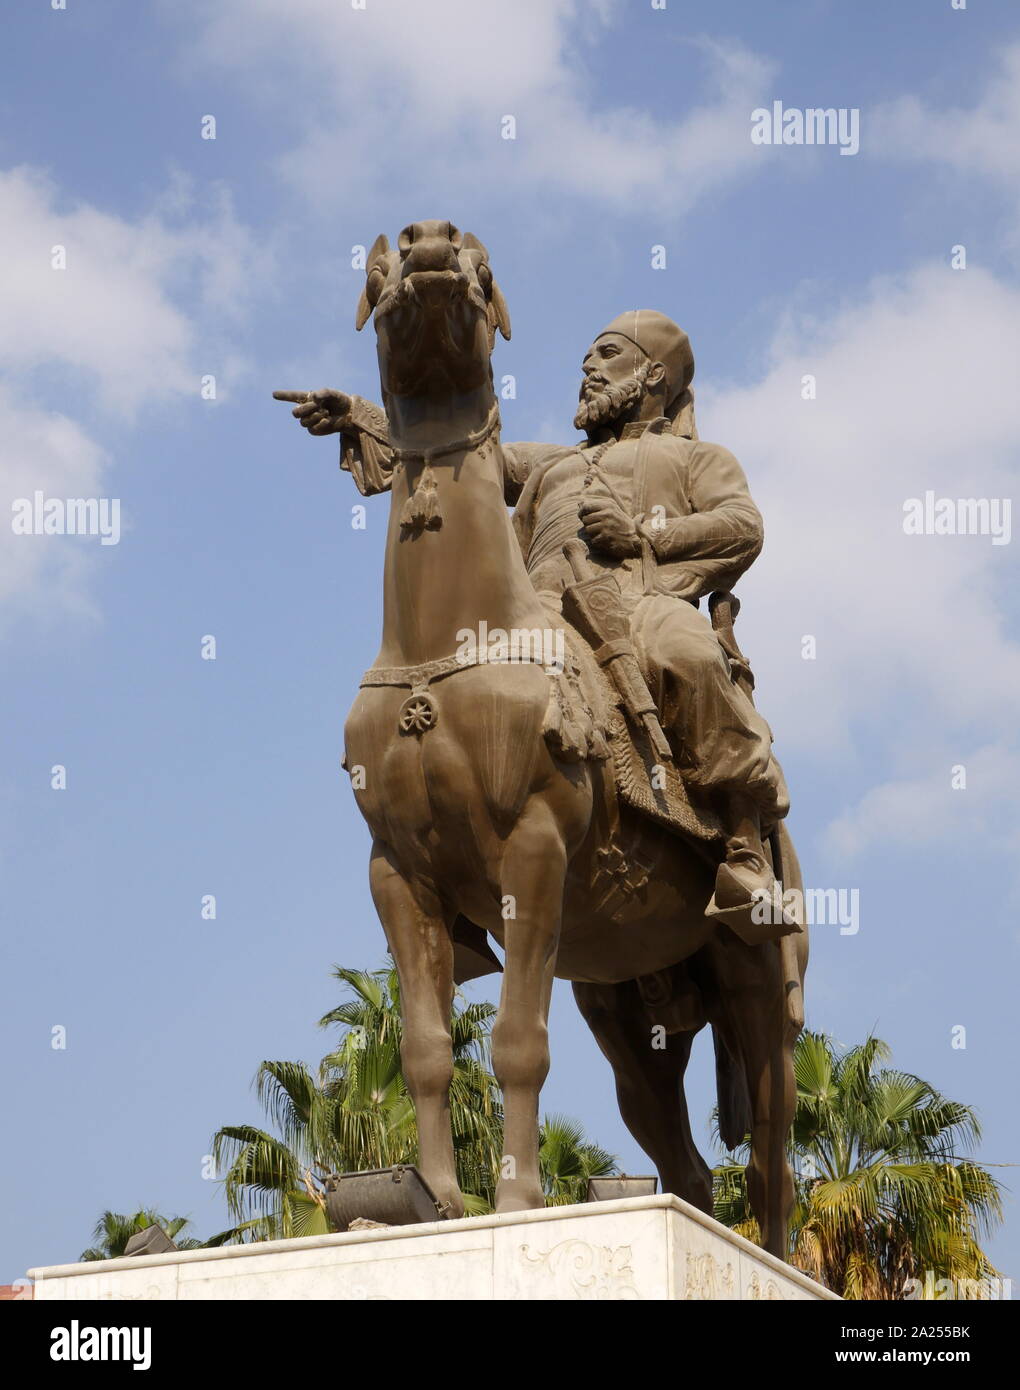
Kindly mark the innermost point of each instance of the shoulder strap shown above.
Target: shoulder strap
(646, 444)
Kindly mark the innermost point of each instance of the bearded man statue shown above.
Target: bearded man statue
(672, 517)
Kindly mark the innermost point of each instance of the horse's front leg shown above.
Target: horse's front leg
(534, 868)
(422, 948)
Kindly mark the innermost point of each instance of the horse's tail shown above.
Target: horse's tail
(735, 1117)
(793, 950)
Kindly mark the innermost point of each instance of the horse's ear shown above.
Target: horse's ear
(364, 312)
(469, 242)
(499, 314)
(380, 248)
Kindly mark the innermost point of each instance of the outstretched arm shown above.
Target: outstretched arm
(364, 446)
(365, 450)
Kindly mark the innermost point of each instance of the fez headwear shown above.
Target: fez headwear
(662, 341)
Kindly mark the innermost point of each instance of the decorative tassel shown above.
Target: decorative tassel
(600, 751)
(421, 511)
(561, 731)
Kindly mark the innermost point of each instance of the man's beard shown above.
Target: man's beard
(610, 402)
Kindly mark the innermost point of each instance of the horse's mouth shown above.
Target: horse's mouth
(428, 290)
(432, 324)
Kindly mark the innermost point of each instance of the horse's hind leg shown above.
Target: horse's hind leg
(422, 948)
(753, 1019)
(649, 1085)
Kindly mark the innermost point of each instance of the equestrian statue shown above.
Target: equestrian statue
(554, 749)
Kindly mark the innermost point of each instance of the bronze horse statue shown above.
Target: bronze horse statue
(483, 825)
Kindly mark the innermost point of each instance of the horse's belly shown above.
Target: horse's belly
(611, 933)
(607, 954)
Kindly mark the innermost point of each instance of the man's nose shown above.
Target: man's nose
(429, 246)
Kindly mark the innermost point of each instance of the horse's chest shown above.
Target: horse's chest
(384, 762)
(459, 757)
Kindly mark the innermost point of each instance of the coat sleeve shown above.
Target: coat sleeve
(724, 532)
(365, 447)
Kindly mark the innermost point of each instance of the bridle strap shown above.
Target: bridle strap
(470, 441)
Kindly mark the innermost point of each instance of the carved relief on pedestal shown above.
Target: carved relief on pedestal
(707, 1278)
(595, 1272)
(149, 1294)
(769, 1291)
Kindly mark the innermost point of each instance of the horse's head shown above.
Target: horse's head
(437, 309)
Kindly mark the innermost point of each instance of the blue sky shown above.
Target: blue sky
(232, 256)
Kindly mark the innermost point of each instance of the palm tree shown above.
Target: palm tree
(884, 1191)
(355, 1113)
(114, 1229)
(567, 1160)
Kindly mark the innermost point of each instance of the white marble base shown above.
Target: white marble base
(635, 1248)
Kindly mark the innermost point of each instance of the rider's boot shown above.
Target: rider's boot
(747, 898)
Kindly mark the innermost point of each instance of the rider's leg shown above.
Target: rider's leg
(724, 748)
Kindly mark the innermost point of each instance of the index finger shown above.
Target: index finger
(295, 397)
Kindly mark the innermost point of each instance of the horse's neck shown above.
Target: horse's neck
(443, 583)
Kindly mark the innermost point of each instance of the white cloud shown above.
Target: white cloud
(419, 90)
(125, 310)
(133, 321)
(915, 669)
(979, 139)
(927, 810)
(44, 450)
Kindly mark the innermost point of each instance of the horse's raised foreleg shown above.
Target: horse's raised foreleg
(533, 871)
(649, 1071)
(422, 947)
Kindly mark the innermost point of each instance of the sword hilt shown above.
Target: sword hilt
(577, 557)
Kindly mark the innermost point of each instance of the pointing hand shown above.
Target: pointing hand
(320, 412)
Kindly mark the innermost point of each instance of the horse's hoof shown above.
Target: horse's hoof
(519, 1199)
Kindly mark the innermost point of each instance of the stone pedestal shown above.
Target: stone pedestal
(635, 1248)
